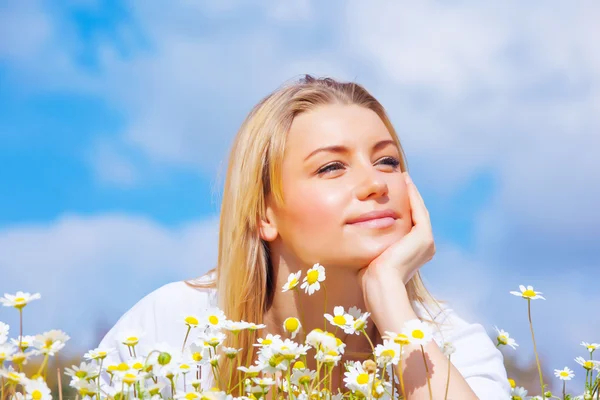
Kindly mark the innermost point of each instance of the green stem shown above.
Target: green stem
(427, 372)
(448, 379)
(401, 375)
(537, 360)
(186, 337)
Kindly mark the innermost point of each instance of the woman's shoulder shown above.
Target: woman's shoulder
(155, 316)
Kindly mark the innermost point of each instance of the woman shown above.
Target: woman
(317, 175)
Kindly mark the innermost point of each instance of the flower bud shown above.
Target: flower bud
(164, 358)
(370, 366)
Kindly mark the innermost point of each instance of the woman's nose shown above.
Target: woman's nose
(371, 185)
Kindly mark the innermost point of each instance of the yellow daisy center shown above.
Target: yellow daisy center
(588, 365)
(591, 347)
(293, 282)
(502, 339)
(132, 339)
(304, 380)
(36, 395)
(418, 334)
(362, 379)
(213, 319)
(267, 341)
(14, 377)
(184, 366)
(388, 353)
(528, 293)
(137, 365)
(191, 320)
(291, 324)
(129, 379)
(299, 365)
(19, 300)
(312, 276)
(401, 339)
(191, 396)
(564, 373)
(123, 367)
(512, 383)
(339, 320)
(81, 374)
(197, 356)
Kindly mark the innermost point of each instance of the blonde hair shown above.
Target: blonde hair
(244, 276)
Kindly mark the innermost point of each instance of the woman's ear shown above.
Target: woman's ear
(267, 226)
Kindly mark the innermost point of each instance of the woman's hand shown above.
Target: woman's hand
(403, 259)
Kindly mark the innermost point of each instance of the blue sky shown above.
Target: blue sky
(116, 118)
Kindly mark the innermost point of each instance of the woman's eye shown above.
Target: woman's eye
(391, 161)
(330, 167)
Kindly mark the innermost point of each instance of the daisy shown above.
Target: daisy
(230, 352)
(448, 349)
(6, 350)
(235, 327)
(4, 328)
(418, 332)
(399, 338)
(98, 353)
(211, 338)
(292, 281)
(131, 337)
(214, 318)
(263, 382)
(357, 379)
(320, 340)
(84, 371)
(588, 365)
(25, 341)
(518, 393)
(590, 346)
(19, 300)
(303, 376)
(528, 293)
(360, 319)
(328, 357)
(50, 342)
(314, 276)
(13, 376)
(191, 320)
(564, 374)
(388, 352)
(341, 319)
(37, 390)
(267, 341)
(252, 370)
(504, 338)
(292, 325)
(254, 327)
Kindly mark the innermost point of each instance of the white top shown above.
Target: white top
(159, 315)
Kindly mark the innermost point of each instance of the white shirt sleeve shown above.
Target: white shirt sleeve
(476, 357)
(158, 317)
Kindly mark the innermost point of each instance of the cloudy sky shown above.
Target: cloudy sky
(116, 119)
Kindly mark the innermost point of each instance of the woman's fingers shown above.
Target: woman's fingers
(419, 212)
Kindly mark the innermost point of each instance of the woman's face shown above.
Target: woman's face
(340, 163)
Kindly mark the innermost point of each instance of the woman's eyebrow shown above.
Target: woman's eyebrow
(344, 149)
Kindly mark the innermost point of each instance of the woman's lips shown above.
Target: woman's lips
(377, 223)
(375, 219)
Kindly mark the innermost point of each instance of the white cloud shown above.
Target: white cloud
(92, 269)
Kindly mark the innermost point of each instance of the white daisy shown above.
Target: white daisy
(587, 364)
(252, 370)
(268, 340)
(321, 340)
(25, 341)
(13, 376)
(311, 282)
(292, 326)
(292, 281)
(360, 319)
(18, 300)
(211, 338)
(131, 337)
(564, 374)
(518, 393)
(4, 328)
(418, 332)
(528, 293)
(6, 350)
(235, 327)
(341, 319)
(303, 376)
(328, 356)
(190, 320)
(399, 338)
(504, 338)
(357, 379)
(448, 349)
(214, 318)
(84, 371)
(37, 390)
(263, 382)
(230, 352)
(388, 352)
(254, 327)
(590, 346)
(98, 353)
(50, 342)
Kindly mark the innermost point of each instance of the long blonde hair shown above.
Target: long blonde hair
(244, 276)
